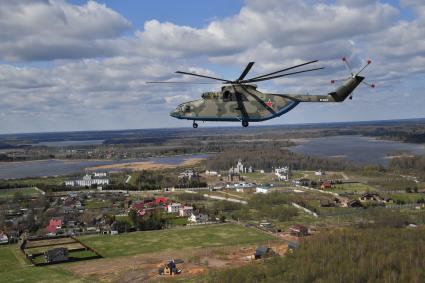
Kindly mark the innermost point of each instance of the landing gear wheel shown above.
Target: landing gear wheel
(195, 125)
(245, 124)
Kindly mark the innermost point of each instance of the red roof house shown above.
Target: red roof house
(161, 200)
(54, 225)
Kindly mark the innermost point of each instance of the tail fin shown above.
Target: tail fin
(343, 91)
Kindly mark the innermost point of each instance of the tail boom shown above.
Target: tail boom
(339, 95)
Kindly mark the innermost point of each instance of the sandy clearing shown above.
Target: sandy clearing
(144, 267)
(146, 165)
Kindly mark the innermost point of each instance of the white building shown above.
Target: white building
(263, 189)
(198, 218)
(88, 181)
(282, 173)
(240, 186)
(211, 173)
(3, 238)
(319, 173)
(174, 208)
(240, 168)
(185, 211)
(99, 174)
(189, 174)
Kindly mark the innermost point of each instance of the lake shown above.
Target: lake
(360, 149)
(54, 167)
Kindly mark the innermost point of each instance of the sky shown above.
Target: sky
(82, 65)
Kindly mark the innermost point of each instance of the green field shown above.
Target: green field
(6, 193)
(190, 237)
(30, 182)
(408, 198)
(351, 188)
(97, 204)
(14, 268)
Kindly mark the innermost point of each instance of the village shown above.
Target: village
(281, 206)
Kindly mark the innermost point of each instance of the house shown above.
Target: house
(263, 252)
(299, 230)
(189, 174)
(3, 238)
(234, 177)
(240, 185)
(263, 189)
(54, 225)
(185, 211)
(138, 205)
(211, 173)
(374, 197)
(198, 218)
(319, 172)
(160, 200)
(266, 225)
(292, 246)
(282, 173)
(56, 255)
(174, 207)
(302, 182)
(326, 185)
(370, 197)
(99, 174)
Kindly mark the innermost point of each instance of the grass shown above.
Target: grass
(408, 198)
(351, 188)
(95, 204)
(155, 241)
(178, 221)
(259, 177)
(42, 180)
(7, 193)
(14, 268)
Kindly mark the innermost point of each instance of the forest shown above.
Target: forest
(405, 164)
(268, 155)
(343, 255)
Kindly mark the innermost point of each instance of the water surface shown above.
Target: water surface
(54, 167)
(360, 149)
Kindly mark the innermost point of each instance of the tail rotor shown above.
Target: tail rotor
(353, 75)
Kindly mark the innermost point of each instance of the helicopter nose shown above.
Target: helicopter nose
(175, 113)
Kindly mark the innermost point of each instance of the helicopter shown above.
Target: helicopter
(240, 101)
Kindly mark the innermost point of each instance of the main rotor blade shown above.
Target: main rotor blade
(279, 76)
(245, 72)
(283, 70)
(201, 83)
(202, 76)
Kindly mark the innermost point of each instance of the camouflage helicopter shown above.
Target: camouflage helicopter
(240, 101)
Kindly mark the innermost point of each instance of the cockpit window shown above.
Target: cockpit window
(210, 95)
(227, 96)
(230, 96)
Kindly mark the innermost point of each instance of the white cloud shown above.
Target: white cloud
(97, 74)
(46, 30)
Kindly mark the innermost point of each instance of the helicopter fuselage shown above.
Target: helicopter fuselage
(235, 103)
